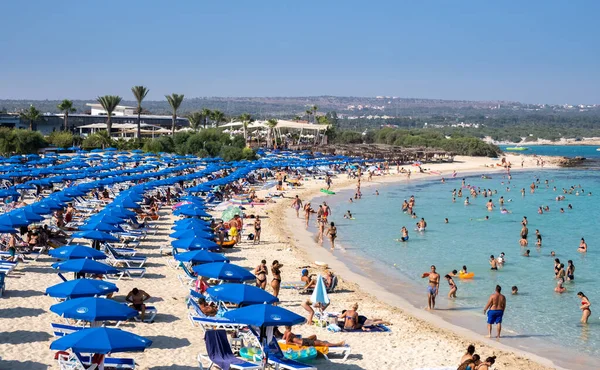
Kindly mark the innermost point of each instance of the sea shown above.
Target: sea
(537, 317)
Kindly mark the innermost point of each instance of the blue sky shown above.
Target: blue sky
(531, 51)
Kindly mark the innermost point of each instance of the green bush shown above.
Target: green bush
(153, 145)
(98, 140)
(28, 142)
(61, 139)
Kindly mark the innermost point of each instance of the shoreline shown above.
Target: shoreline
(432, 322)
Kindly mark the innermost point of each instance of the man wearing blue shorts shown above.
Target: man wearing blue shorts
(495, 310)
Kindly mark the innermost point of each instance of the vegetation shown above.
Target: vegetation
(66, 106)
(425, 138)
(139, 92)
(63, 139)
(100, 139)
(246, 119)
(175, 101)
(217, 117)
(206, 114)
(13, 141)
(271, 124)
(31, 115)
(109, 103)
(209, 142)
(196, 120)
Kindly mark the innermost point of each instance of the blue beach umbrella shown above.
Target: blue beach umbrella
(319, 294)
(106, 219)
(81, 288)
(264, 315)
(190, 210)
(95, 235)
(101, 340)
(241, 294)
(85, 265)
(194, 244)
(224, 271)
(11, 220)
(200, 256)
(93, 309)
(5, 229)
(192, 221)
(101, 227)
(69, 252)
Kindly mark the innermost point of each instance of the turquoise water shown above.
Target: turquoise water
(587, 151)
(467, 240)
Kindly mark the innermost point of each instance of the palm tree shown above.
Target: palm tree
(315, 109)
(174, 101)
(140, 93)
(246, 119)
(271, 124)
(109, 103)
(31, 115)
(206, 113)
(66, 106)
(195, 120)
(217, 117)
(308, 113)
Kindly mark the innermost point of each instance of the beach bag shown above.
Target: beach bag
(250, 236)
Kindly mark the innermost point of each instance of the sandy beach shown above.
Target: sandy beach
(417, 339)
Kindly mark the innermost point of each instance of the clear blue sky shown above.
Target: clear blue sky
(531, 51)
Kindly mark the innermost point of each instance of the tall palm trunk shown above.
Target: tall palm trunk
(108, 125)
(66, 121)
(173, 124)
(139, 124)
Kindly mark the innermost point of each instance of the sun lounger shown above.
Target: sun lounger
(219, 353)
(197, 317)
(276, 358)
(114, 258)
(69, 361)
(150, 314)
(188, 279)
(60, 330)
(325, 351)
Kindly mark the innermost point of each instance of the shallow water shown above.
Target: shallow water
(469, 240)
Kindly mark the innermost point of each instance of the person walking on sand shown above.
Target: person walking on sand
(332, 232)
(328, 181)
(433, 287)
(307, 211)
(257, 228)
(297, 204)
(495, 311)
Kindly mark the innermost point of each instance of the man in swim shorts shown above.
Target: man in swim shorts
(433, 287)
(496, 306)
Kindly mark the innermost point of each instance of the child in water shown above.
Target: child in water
(348, 215)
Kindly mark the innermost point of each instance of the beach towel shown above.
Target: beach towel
(219, 350)
(371, 329)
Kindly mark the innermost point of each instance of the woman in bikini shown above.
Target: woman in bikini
(261, 272)
(332, 232)
(486, 365)
(585, 308)
(453, 287)
(257, 230)
(276, 282)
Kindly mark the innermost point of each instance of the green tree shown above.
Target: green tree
(206, 113)
(217, 117)
(308, 114)
(195, 120)
(100, 139)
(31, 115)
(139, 92)
(271, 124)
(109, 103)
(28, 142)
(66, 106)
(246, 119)
(175, 101)
(314, 112)
(61, 139)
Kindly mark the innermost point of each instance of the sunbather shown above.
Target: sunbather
(137, 298)
(207, 309)
(308, 280)
(291, 338)
(354, 321)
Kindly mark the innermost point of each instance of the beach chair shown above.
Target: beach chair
(131, 272)
(70, 361)
(279, 361)
(197, 317)
(188, 279)
(114, 257)
(60, 330)
(219, 353)
(150, 313)
(7, 266)
(343, 351)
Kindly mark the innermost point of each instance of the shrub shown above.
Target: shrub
(61, 139)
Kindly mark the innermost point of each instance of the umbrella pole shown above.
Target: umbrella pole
(263, 340)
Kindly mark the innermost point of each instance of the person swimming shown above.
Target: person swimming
(404, 232)
(526, 254)
(348, 215)
(493, 263)
(559, 286)
(583, 247)
(515, 290)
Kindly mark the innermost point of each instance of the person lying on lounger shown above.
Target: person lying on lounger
(207, 309)
(354, 321)
(311, 341)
